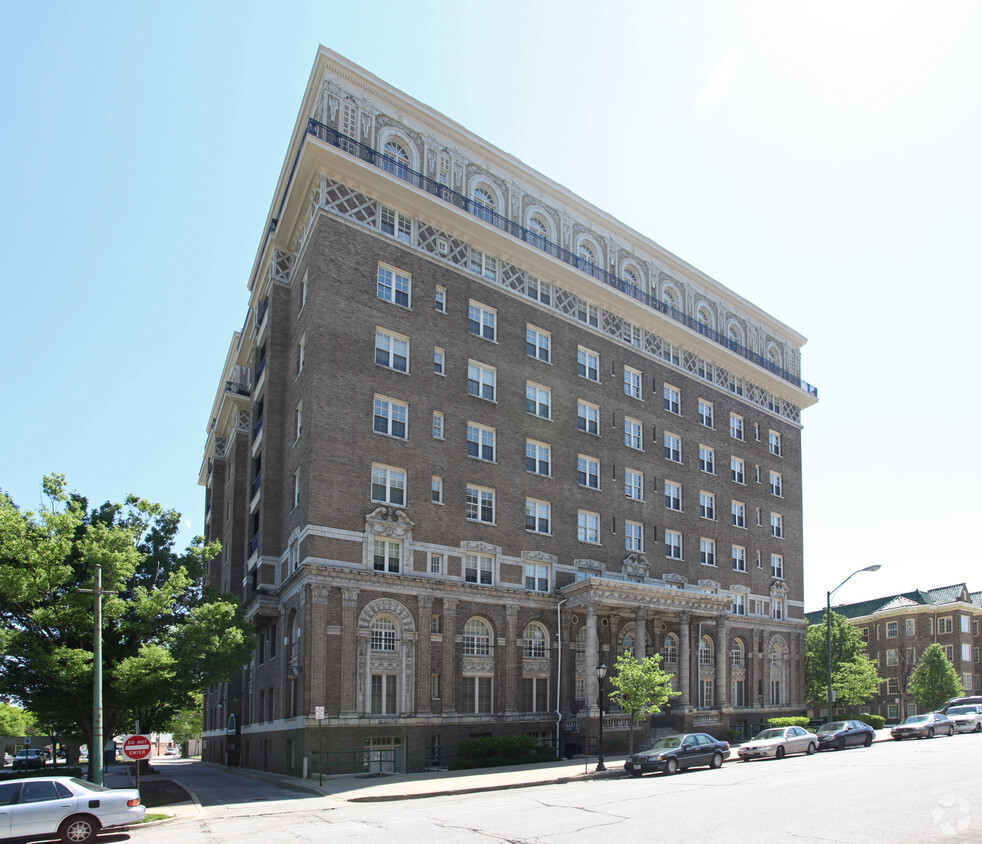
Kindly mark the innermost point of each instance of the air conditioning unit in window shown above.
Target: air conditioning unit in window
(442, 246)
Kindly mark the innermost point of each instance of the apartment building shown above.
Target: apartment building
(477, 437)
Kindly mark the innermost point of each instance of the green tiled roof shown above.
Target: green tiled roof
(948, 594)
(916, 597)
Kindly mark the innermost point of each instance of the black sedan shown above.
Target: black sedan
(839, 735)
(676, 753)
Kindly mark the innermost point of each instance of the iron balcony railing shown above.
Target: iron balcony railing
(478, 209)
(237, 388)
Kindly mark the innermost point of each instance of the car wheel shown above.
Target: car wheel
(79, 829)
(930, 732)
(840, 744)
(717, 761)
(868, 740)
(978, 727)
(635, 773)
(951, 731)
(672, 767)
(811, 748)
(779, 753)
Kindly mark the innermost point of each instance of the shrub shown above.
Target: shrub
(875, 721)
(794, 721)
(516, 748)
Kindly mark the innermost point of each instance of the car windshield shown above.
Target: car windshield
(963, 710)
(89, 786)
(834, 727)
(667, 743)
(917, 719)
(769, 734)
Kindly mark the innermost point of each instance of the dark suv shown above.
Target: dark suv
(28, 758)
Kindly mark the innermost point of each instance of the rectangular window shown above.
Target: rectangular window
(705, 370)
(633, 536)
(538, 458)
(774, 442)
(967, 681)
(673, 544)
(587, 364)
(439, 361)
(965, 623)
(392, 350)
(538, 343)
(535, 694)
(588, 418)
(673, 496)
(588, 313)
(396, 224)
(892, 629)
(436, 566)
(944, 625)
(736, 426)
(482, 320)
(388, 485)
(537, 516)
(538, 400)
(476, 695)
(777, 526)
(737, 470)
(393, 286)
(634, 484)
(588, 472)
(738, 556)
(588, 527)
(738, 514)
(536, 578)
(777, 484)
(777, 566)
(633, 433)
(440, 299)
(893, 684)
(435, 686)
(671, 353)
(672, 399)
(632, 382)
(949, 652)
(480, 442)
(387, 555)
(892, 658)
(437, 425)
(738, 607)
(673, 448)
(478, 569)
(541, 291)
(391, 417)
(296, 488)
(909, 627)
(384, 694)
(707, 459)
(480, 505)
(777, 609)
(864, 634)
(483, 264)
(707, 505)
(706, 411)
(436, 489)
(482, 381)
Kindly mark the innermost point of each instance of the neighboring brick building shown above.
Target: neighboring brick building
(476, 436)
(897, 629)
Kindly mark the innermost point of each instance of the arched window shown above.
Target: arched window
(631, 277)
(477, 638)
(773, 355)
(538, 231)
(483, 204)
(704, 318)
(707, 654)
(395, 158)
(669, 298)
(670, 649)
(627, 646)
(383, 633)
(734, 333)
(534, 641)
(736, 653)
(586, 256)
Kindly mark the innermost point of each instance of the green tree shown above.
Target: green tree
(165, 636)
(640, 687)
(15, 721)
(934, 679)
(854, 676)
(186, 724)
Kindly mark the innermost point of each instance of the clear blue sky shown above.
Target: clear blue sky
(821, 159)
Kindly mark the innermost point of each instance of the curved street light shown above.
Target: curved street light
(601, 676)
(828, 631)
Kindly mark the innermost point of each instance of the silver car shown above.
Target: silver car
(778, 742)
(924, 726)
(42, 807)
(966, 718)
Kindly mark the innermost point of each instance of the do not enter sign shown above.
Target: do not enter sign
(136, 747)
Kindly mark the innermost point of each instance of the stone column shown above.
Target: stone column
(684, 664)
(449, 682)
(424, 626)
(349, 651)
(590, 688)
(512, 648)
(640, 633)
(722, 663)
(317, 646)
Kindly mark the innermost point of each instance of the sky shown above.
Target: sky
(823, 160)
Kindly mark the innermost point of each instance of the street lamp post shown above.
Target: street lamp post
(96, 751)
(828, 633)
(601, 676)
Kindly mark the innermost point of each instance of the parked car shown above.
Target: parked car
(674, 753)
(28, 758)
(961, 701)
(72, 808)
(778, 742)
(838, 735)
(966, 718)
(924, 726)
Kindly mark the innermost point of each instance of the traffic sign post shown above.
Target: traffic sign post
(137, 748)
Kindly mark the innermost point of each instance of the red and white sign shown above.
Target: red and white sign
(136, 747)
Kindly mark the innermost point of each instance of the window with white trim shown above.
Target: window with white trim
(945, 625)
(706, 413)
(386, 556)
(588, 527)
(673, 447)
(738, 514)
(298, 420)
(538, 400)
(538, 458)
(774, 442)
(587, 364)
(738, 470)
(536, 580)
(777, 484)
(632, 382)
(673, 544)
(396, 224)
(539, 290)
(439, 361)
(538, 343)
(478, 568)
(633, 536)
(707, 459)
(440, 299)
(738, 557)
(588, 471)
(736, 426)
(477, 637)
(777, 566)
(437, 425)
(892, 659)
(949, 652)
(672, 399)
(673, 496)
(392, 350)
(634, 484)
(633, 433)
(481, 442)
(296, 488)
(388, 485)
(479, 504)
(383, 694)
(390, 418)
(910, 626)
(436, 565)
(436, 489)
(482, 381)
(393, 286)
(484, 265)
(707, 505)
(476, 695)
(671, 353)
(707, 551)
(301, 352)
(538, 515)
(777, 525)
(588, 417)
(587, 312)
(383, 631)
(482, 320)
(738, 607)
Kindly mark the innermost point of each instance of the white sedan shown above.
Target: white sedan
(74, 809)
(966, 718)
(778, 742)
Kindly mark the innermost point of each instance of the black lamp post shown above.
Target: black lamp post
(601, 676)
(828, 633)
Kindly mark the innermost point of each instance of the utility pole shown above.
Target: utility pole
(96, 751)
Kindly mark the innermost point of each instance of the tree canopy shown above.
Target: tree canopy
(640, 687)
(854, 675)
(165, 636)
(15, 721)
(934, 680)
